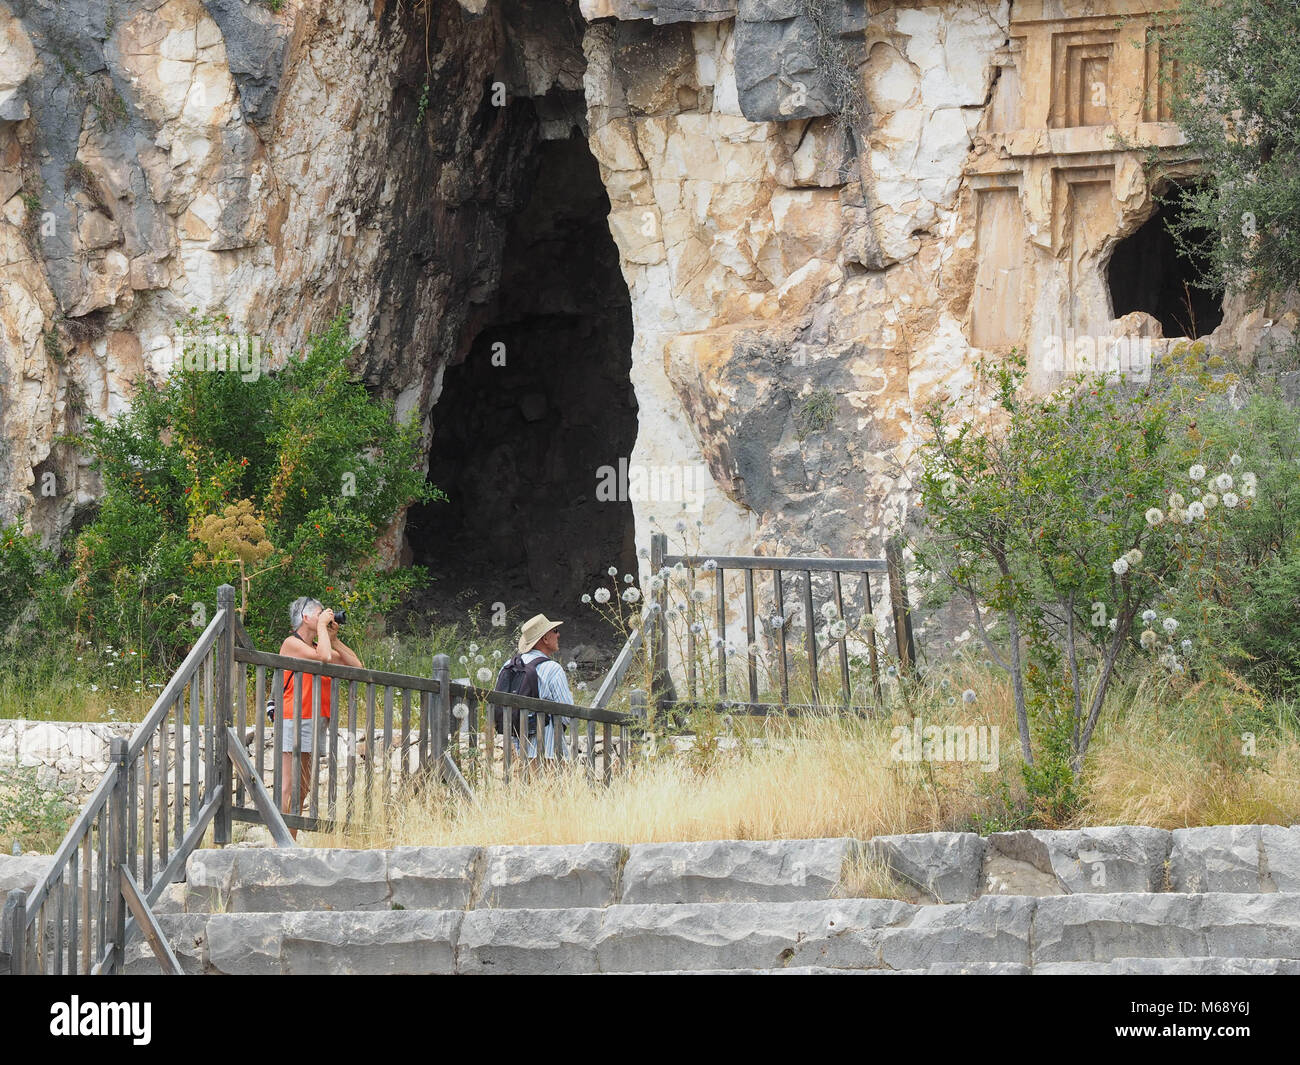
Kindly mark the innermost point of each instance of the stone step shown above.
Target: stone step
(944, 867)
(845, 934)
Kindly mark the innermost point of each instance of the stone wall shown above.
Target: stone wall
(68, 756)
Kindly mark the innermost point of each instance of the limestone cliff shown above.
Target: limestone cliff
(821, 214)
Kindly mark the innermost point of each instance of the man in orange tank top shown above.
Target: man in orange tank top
(315, 637)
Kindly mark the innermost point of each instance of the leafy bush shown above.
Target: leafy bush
(280, 482)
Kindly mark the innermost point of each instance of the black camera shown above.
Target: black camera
(340, 616)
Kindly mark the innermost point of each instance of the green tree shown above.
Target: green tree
(1234, 66)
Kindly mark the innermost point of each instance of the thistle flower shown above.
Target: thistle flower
(1170, 625)
(479, 660)
(1120, 566)
(1209, 500)
(829, 611)
(463, 659)
(968, 696)
(1248, 480)
(631, 595)
(612, 571)
(1148, 639)
(753, 650)
(1186, 645)
(473, 648)
(1197, 472)
(709, 565)
(1235, 460)
(627, 578)
(484, 675)
(699, 595)
(697, 627)
(1248, 491)
(1223, 482)
(1154, 517)
(586, 598)
(776, 621)
(571, 666)
(1196, 510)
(1134, 557)
(869, 622)
(1148, 616)
(1176, 501)
(839, 629)
(602, 595)
(1230, 499)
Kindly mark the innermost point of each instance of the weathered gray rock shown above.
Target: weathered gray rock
(431, 878)
(249, 880)
(246, 944)
(529, 941)
(1119, 858)
(841, 933)
(21, 872)
(186, 934)
(735, 870)
(1281, 847)
(401, 943)
(550, 877)
(945, 865)
(661, 11)
(781, 73)
(1172, 967)
(994, 928)
(1217, 858)
(255, 44)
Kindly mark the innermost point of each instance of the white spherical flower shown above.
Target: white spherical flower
(484, 675)
(1197, 472)
(631, 595)
(586, 598)
(612, 571)
(1176, 501)
(709, 565)
(479, 660)
(1248, 480)
(1120, 566)
(643, 553)
(753, 650)
(776, 621)
(1134, 557)
(473, 648)
(1170, 625)
(1178, 517)
(697, 628)
(1196, 510)
(1209, 500)
(627, 578)
(830, 611)
(1248, 491)
(1230, 500)
(869, 622)
(664, 573)
(1154, 517)
(838, 629)
(460, 711)
(571, 666)
(496, 652)
(1223, 482)
(1148, 616)
(1235, 460)
(1186, 645)
(602, 595)
(1148, 639)
(582, 685)
(463, 659)
(968, 696)
(699, 595)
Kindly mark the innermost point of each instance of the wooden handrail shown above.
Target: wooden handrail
(406, 682)
(817, 565)
(544, 706)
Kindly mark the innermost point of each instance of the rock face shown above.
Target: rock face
(809, 201)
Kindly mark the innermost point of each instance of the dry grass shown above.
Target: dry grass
(865, 877)
(827, 776)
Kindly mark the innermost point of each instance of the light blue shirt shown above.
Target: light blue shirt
(552, 682)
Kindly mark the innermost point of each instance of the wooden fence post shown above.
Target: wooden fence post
(637, 704)
(16, 905)
(898, 603)
(117, 853)
(219, 767)
(441, 723)
(660, 682)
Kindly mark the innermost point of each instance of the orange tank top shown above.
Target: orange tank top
(290, 694)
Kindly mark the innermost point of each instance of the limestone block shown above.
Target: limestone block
(401, 943)
(528, 941)
(1215, 858)
(734, 870)
(842, 933)
(550, 877)
(246, 944)
(1281, 848)
(1172, 967)
(240, 880)
(993, 928)
(944, 864)
(44, 742)
(1119, 858)
(186, 934)
(431, 878)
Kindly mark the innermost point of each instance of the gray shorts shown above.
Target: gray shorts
(304, 728)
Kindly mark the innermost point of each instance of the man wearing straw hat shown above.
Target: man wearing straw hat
(539, 646)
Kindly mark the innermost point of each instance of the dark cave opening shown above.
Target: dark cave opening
(1149, 273)
(541, 401)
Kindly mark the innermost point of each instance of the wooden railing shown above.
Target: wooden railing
(835, 574)
(187, 769)
(132, 837)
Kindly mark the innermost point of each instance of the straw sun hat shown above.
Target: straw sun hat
(534, 629)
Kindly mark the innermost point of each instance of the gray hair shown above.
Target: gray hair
(300, 608)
